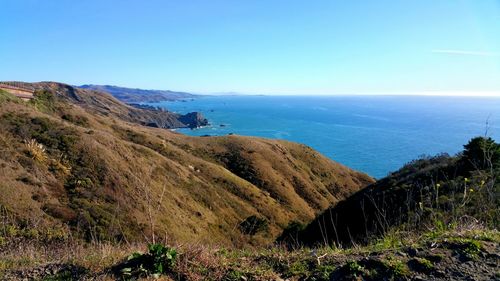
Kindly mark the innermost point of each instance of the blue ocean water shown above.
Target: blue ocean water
(373, 134)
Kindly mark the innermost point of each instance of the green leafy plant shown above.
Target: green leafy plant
(396, 268)
(322, 272)
(354, 268)
(470, 249)
(159, 260)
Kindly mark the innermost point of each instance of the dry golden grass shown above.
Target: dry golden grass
(113, 180)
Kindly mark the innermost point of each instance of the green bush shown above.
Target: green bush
(76, 119)
(481, 152)
(254, 224)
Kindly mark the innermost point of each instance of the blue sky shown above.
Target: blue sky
(259, 46)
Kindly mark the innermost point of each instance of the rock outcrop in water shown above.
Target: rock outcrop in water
(193, 120)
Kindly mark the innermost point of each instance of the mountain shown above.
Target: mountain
(429, 193)
(130, 95)
(104, 104)
(80, 163)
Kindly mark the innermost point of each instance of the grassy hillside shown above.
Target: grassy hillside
(77, 163)
(430, 193)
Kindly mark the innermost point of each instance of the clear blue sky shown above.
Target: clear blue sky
(258, 46)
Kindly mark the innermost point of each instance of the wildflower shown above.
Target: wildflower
(466, 179)
(471, 190)
(438, 185)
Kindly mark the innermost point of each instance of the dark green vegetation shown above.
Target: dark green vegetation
(130, 95)
(433, 192)
(157, 261)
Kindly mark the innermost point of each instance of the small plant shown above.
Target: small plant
(322, 273)
(36, 150)
(470, 249)
(234, 275)
(60, 165)
(159, 260)
(396, 268)
(354, 268)
(298, 268)
(421, 264)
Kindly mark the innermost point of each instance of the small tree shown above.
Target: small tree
(482, 153)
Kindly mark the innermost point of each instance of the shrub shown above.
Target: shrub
(44, 101)
(76, 119)
(481, 152)
(254, 224)
(322, 272)
(60, 165)
(290, 234)
(396, 268)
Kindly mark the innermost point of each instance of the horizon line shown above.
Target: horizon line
(423, 93)
(437, 93)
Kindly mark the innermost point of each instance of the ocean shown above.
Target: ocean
(373, 134)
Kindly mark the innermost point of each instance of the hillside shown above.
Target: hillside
(428, 193)
(130, 95)
(102, 103)
(78, 163)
